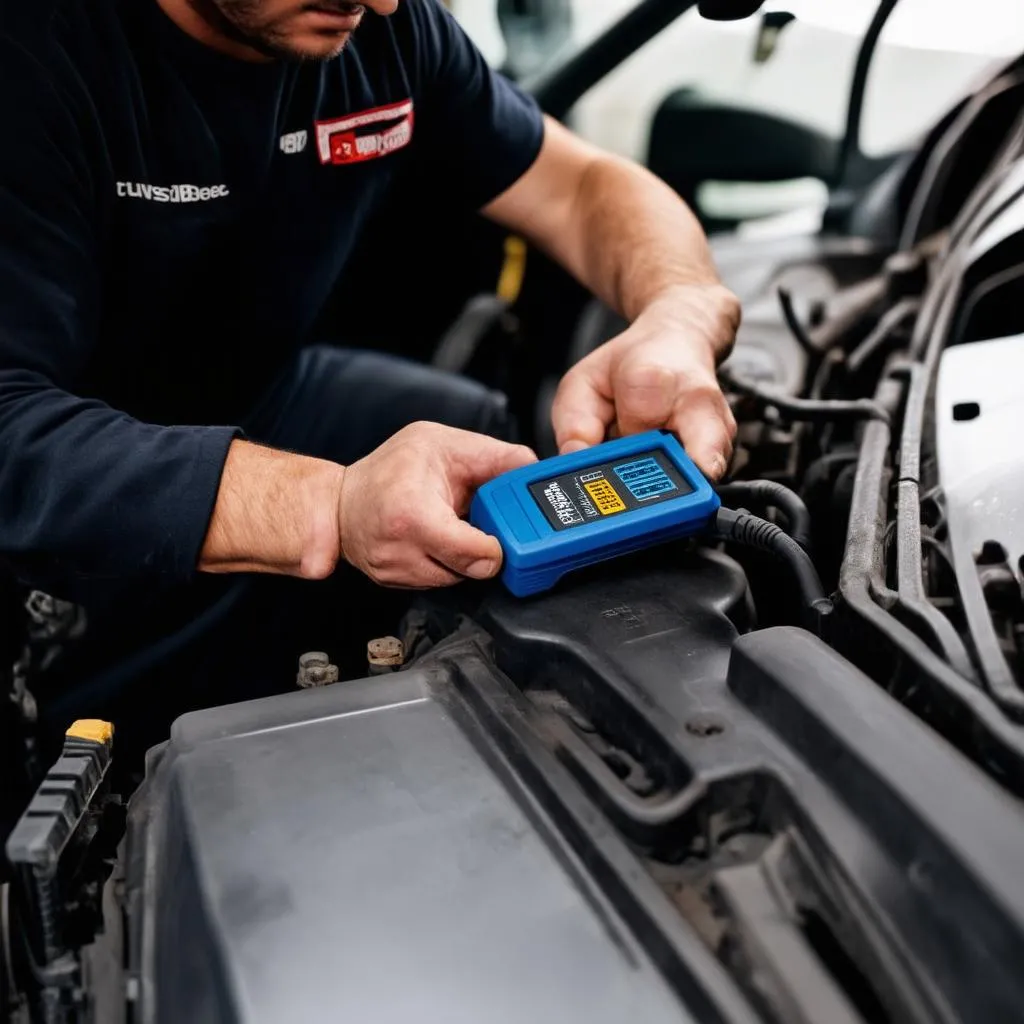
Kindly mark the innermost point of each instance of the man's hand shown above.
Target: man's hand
(395, 515)
(658, 373)
(400, 508)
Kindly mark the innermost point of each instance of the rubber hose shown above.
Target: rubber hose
(809, 410)
(751, 531)
(771, 494)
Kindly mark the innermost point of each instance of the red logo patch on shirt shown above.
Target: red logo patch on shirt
(365, 136)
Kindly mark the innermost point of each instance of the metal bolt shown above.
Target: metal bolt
(385, 654)
(315, 669)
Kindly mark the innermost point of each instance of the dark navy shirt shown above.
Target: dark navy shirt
(172, 222)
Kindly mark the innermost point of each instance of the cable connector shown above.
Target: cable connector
(770, 494)
(751, 531)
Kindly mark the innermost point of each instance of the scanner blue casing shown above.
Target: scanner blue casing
(536, 555)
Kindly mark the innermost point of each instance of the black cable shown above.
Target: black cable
(461, 342)
(808, 409)
(772, 494)
(884, 329)
(820, 471)
(796, 328)
(858, 87)
(749, 530)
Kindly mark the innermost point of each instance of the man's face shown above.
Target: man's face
(292, 29)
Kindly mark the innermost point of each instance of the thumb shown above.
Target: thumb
(705, 425)
(469, 460)
(460, 547)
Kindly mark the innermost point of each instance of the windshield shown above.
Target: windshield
(931, 52)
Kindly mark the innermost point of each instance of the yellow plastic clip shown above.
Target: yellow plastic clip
(94, 729)
(513, 270)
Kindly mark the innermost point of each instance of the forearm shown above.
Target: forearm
(632, 240)
(276, 512)
(620, 231)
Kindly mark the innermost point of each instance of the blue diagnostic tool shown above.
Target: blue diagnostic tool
(573, 510)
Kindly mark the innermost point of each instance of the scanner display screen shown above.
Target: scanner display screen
(608, 489)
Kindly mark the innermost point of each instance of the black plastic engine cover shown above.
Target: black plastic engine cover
(856, 867)
(350, 854)
(659, 626)
(604, 803)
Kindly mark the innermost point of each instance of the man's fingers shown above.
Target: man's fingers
(581, 414)
(645, 394)
(460, 547)
(413, 489)
(422, 574)
(430, 574)
(705, 425)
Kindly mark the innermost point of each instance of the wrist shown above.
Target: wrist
(321, 499)
(707, 311)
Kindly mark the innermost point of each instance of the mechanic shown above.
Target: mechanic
(181, 184)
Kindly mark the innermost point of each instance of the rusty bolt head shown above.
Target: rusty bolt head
(385, 651)
(315, 669)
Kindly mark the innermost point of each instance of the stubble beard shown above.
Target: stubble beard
(238, 20)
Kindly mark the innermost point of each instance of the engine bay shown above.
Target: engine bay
(690, 818)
